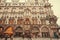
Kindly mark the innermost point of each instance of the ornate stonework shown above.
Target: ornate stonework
(33, 17)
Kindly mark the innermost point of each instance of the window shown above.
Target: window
(9, 30)
(18, 32)
(20, 20)
(11, 21)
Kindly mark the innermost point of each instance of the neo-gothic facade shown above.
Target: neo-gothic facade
(32, 17)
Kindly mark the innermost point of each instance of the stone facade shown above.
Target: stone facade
(32, 17)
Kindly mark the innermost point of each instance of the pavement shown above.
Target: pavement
(31, 39)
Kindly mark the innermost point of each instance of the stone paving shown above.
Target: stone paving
(31, 39)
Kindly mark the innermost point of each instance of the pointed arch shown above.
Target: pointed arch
(44, 29)
(19, 29)
(35, 29)
(45, 32)
(18, 32)
(20, 21)
(9, 30)
(27, 21)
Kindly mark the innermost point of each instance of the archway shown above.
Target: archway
(8, 31)
(18, 32)
(35, 31)
(45, 32)
(27, 34)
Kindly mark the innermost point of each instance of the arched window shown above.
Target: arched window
(11, 20)
(18, 29)
(9, 31)
(45, 32)
(35, 29)
(34, 20)
(27, 21)
(20, 21)
(27, 12)
(18, 32)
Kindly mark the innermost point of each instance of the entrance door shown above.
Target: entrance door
(45, 34)
(18, 32)
(35, 31)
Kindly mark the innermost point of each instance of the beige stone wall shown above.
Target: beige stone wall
(27, 15)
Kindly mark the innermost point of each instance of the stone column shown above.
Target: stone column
(15, 20)
(7, 20)
(51, 34)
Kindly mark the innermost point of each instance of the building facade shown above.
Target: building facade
(33, 18)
